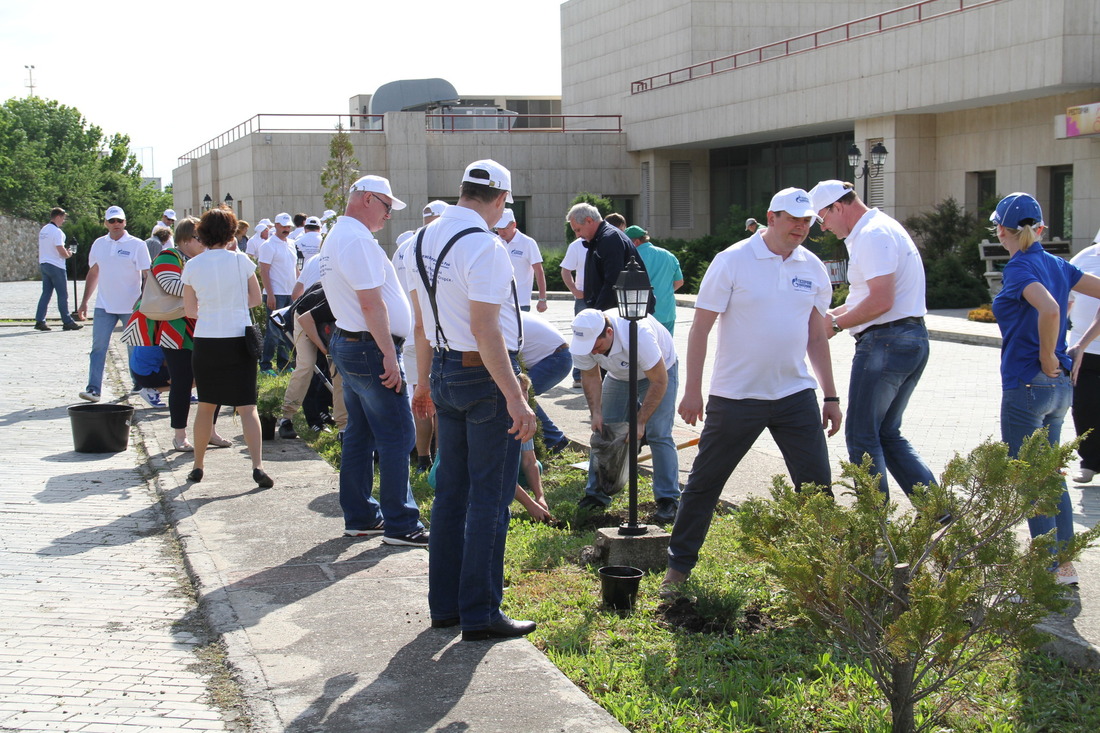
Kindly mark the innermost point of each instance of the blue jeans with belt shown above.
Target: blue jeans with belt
(273, 339)
(544, 375)
(475, 484)
(887, 365)
(53, 282)
(1041, 403)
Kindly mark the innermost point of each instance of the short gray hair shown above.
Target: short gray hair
(580, 212)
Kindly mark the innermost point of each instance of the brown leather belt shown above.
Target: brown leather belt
(366, 337)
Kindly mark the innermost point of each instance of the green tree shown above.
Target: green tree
(341, 170)
(920, 601)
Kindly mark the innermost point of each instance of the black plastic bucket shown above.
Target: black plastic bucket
(101, 428)
(620, 586)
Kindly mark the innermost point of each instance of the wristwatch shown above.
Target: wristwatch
(836, 326)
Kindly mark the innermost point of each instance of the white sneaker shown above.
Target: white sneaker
(90, 394)
(1083, 475)
(151, 397)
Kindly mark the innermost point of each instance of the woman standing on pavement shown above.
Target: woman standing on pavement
(1035, 368)
(160, 321)
(219, 288)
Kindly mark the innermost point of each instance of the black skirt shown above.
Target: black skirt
(224, 372)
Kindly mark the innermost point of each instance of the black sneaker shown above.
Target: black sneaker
(286, 430)
(41, 326)
(71, 326)
(416, 538)
(666, 511)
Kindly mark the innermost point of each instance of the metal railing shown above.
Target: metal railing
(871, 25)
(268, 123)
(523, 123)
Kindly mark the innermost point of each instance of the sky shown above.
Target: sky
(173, 81)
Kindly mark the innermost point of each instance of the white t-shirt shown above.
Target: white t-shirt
(120, 266)
(252, 246)
(311, 272)
(309, 243)
(540, 339)
(353, 260)
(400, 261)
(878, 245)
(295, 233)
(654, 345)
(477, 268)
(219, 278)
(524, 253)
(1085, 306)
(284, 261)
(50, 237)
(764, 304)
(574, 260)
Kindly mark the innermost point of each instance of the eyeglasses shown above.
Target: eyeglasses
(116, 221)
(389, 207)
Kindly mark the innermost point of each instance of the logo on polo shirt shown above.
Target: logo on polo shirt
(624, 364)
(804, 286)
(123, 253)
(517, 253)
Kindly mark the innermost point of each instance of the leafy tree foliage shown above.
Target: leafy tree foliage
(921, 601)
(341, 170)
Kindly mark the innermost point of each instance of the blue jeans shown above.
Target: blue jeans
(103, 324)
(272, 338)
(479, 463)
(887, 365)
(1041, 403)
(546, 374)
(378, 419)
(666, 465)
(53, 281)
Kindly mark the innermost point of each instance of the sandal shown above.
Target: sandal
(219, 442)
(182, 445)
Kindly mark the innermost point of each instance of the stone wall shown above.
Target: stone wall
(18, 248)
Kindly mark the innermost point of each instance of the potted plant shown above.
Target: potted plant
(269, 401)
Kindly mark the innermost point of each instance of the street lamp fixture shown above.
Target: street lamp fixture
(229, 200)
(871, 168)
(632, 290)
(207, 202)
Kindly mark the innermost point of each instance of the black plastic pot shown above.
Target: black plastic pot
(101, 428)
(620, 586)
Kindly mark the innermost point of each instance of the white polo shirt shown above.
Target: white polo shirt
(353, 260)
(309, 244)
(50, 237)
(574, 261)
(120, 266)
(1085, 306)
(477, 268)
(764, 304)
(400, 261)
(284, 261)
(524, 253)
(540, 339)
(252, 246)
(654, 345)
(878, 245)
(311, 272)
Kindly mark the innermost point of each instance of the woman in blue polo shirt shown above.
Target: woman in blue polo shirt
(1035, 368)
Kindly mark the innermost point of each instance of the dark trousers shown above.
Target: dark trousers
(1086, 411)
(179, 393)
(729, 431)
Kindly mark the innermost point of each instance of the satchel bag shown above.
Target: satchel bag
(253, 341)
(157, 304)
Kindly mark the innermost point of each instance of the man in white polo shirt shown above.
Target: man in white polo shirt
(309, 243)
(526, 261)
(279, 269)
(373, 319)
(884, 311)
(769, 296)
(601, 340)
(118, 261)
(52, 254)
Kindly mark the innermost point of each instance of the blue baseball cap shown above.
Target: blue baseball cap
(1016, 209)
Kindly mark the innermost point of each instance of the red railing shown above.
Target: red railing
(523, 123)
(872, 24)
(272, 123)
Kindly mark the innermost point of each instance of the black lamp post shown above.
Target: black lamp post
(229, 201)
(207, 202)
(878, 158)
(633, 290)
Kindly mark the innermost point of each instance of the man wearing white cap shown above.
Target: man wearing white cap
(259, 235)
(772, 293)
(465, 307)
(118, 261)
(278, 269)
(601, 340)
(168, 219)
(526, 261)
(309, 243)
(884, 311)
(373, 320)
(326, 218)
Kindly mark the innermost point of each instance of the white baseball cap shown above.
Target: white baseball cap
(795, 202)
(329, 214)
(489, 173)
(588, 326)
(261, 227)
(284, 219)
(265, 221)
(312, 221)
(115, 212)
(170, 214)
(827, 193)
(506, 218)
(405, 236)
(434, 208)
(378, 184)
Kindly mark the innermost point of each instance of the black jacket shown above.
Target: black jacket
(608, 253)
